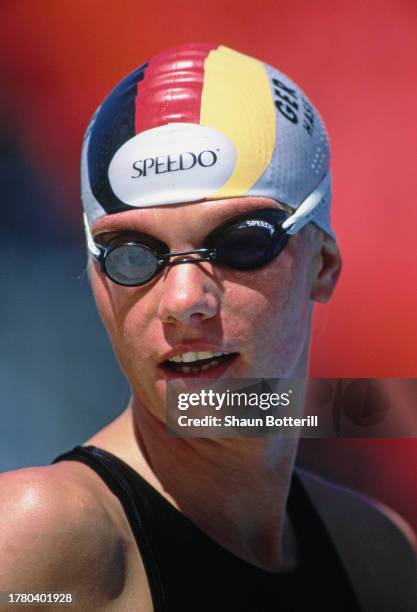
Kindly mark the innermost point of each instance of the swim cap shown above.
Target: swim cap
(203, 122)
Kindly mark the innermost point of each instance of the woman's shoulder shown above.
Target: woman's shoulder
(57, 534)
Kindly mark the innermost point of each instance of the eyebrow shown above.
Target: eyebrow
(121, 225)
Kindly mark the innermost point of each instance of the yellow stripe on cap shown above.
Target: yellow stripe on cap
(237, 100)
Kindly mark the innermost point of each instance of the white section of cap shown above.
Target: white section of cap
(177, 162)
(310, 207)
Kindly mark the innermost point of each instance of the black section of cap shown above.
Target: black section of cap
(112, 127)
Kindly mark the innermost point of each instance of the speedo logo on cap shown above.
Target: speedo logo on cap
(178, 162)
(173, 163)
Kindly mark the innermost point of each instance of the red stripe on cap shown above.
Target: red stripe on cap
(172, 87)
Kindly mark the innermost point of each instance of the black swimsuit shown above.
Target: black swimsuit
(189, 572)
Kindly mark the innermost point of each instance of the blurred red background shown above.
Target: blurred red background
(356, 61)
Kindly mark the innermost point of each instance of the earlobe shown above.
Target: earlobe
(328, 272)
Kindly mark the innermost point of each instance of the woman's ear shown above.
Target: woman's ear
(327, 272)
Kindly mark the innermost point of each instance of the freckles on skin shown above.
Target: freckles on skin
(274, 325)
(129, 317)
(128, 314)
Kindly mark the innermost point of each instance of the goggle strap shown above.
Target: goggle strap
(309, 208)
(92, 247)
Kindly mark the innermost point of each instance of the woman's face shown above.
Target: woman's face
(260, 317)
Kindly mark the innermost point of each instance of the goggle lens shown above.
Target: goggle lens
(244, 247)
(250, 242)
(131, 264)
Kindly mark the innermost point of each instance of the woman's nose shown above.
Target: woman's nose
(188, 293)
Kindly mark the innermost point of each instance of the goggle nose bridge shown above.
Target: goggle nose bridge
(165, 258)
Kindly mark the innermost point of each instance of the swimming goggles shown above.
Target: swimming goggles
(245, 242)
